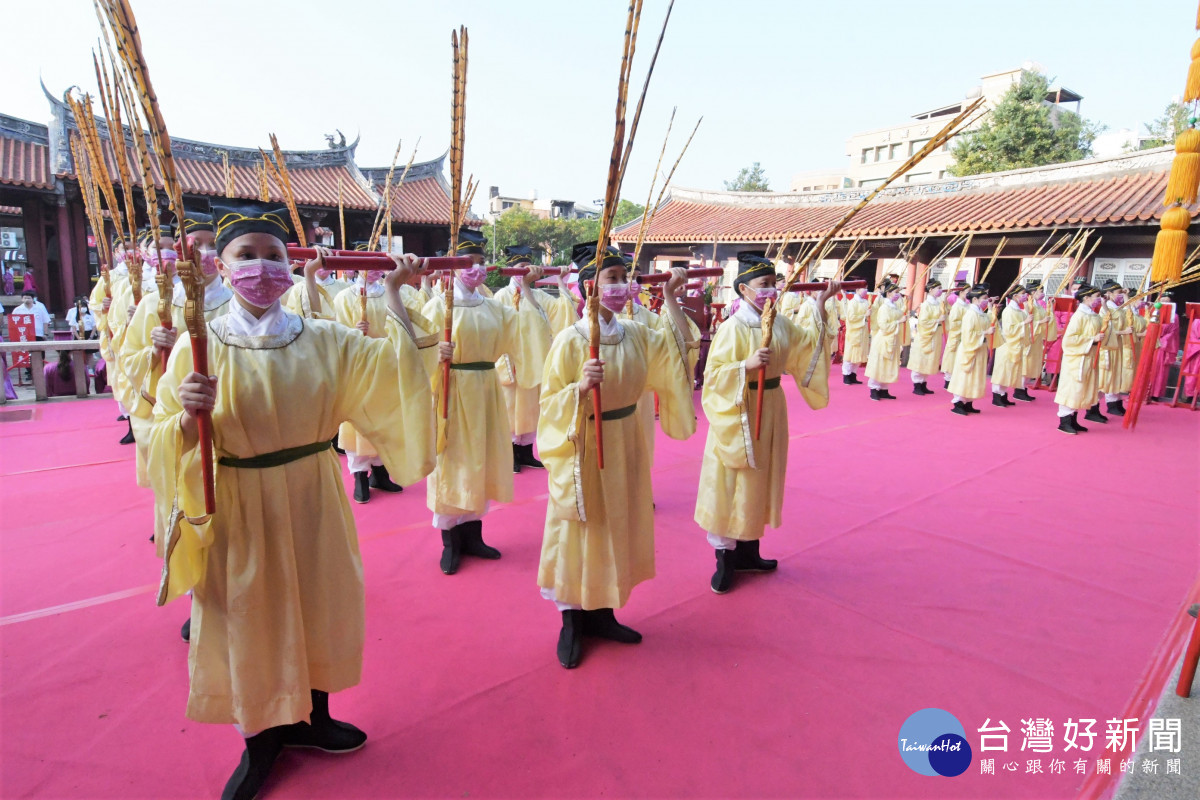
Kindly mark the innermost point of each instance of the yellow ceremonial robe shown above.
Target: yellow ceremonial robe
(833, 320)
(276, 572)
(1077, 380)
(1044, 330)
(1008, 370)
(1111, 350)
(858, 345)
(347, 310)
(599, 536)
(883, 362)
(953, 335)
(925, 355)
(96, 304)
(1138, 323)
(523, 404)
(968, 379)
(1129, 346)
(125, 388)
(741, 478)
(295, 299)
(475, 458)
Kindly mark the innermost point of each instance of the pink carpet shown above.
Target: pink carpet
(988, 566)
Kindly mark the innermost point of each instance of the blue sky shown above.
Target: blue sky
(782, 83)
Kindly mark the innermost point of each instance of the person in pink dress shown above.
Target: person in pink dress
(1191, 361)
(1167, 352)
(60, 377)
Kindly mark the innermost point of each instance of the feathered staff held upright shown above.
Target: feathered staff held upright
(458, 127)
(124, 28)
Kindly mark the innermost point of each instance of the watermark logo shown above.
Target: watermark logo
(933, 742)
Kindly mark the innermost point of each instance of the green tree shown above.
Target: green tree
(1024, 131)
(627, 210)
(750, 179)
(1164, 129)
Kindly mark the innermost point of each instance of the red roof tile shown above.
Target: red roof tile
(25, 163)
(1131, 198)
(422, 201)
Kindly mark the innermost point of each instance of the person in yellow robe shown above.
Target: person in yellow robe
(363, 460)
(1137, 324)
(99, 303)
(955, 306)
(968, 381)
(925, 354)
(120, 313)
(474, 464)
(855, 311)
(328, 284)
(1112, 350)
(523, 404)
(598, 541)
(1077, 380)
(1128, 344)
(1043, 330)
(887, 339)
(742, 478)
(1016, 338)
(277, 608)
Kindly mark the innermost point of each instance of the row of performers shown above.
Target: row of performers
(960, 332)
(277, 609)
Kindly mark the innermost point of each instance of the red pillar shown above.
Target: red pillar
(34, 222)
(66, 257)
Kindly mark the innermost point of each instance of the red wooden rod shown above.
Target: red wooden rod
(519, 271)
(663, 277)
(818, 287)
(357, 262)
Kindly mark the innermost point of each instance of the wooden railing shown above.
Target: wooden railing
(37, 353)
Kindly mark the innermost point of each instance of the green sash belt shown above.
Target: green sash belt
(276, 459)
(617, 413)
(474, 365)
(769, 383)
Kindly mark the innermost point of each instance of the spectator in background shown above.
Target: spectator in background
(60, 377)
(100, 371)
(29, 284)
(89, 322)
(10, 286)
(30, 307)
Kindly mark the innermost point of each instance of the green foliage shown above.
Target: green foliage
(517, 227)
(750, 179)
(1024, 131)
(627, 210)
(1164, 129)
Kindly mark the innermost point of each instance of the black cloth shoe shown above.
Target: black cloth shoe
(472, 543)
(1193, 609)
(516, 458)
(323, 732)
(1023, 394)
(570, 638)
(947, 386)
(1075, 423)
(336, 449)
(128, 437)
(884, 394)
(602, 624)
(527, 459)
(382, 481)
(874, 394)
(1065, 426)
(122, 418)
(722, 579)
(259, 756)
(1001, 400)
(971, 409)
(960, 408)
(1093, 415)
(362, 487)
(451, 549)
(186, 630)
(854, 378)
(848, 380)
(921, 389)
(1116, 409)
(747, 559)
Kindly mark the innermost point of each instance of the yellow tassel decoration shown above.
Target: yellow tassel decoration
(1185, 169)
(1191, 91)
(1170, 246)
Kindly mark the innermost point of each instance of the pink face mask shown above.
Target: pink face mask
(761, 296)
(322, 274)
(952, 299)
(374, 275)
(614, 296)
(259, 282)
(473, 277)
(208, 262)
(1095, 304)
(169, 257)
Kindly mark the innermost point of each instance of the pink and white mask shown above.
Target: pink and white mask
(761, 296)
(260, 282)
(473, 277)
(1095, 303)
(615, 296)
(169, 257)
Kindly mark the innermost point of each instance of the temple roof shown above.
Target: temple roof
(24, 154)
(1121, 191)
